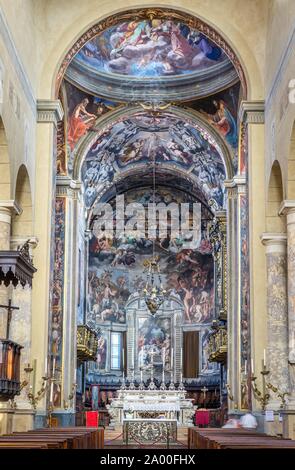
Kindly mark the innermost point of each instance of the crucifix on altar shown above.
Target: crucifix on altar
(9, 309)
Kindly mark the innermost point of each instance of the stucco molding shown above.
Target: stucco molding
(252, 112)
(49, 111)
(12, 205)
(274, 242)
(287, 207)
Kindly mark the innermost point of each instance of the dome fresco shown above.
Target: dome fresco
(151, 48)
(151, 58)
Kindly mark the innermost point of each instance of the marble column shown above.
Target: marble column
(233, 294)
(49, 112)
(277, 314)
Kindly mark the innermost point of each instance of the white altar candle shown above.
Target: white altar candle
(141, 375)
(252, 365)
(46, 366)
(246, 363)
(53, 367)
(264, 358)
(123, 358)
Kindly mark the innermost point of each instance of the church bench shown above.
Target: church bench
(72, 441)
(51, 444)
(25, 445)
(234, 438)
(95, 435)
(196, 436)
(82, 439)
(251, 443)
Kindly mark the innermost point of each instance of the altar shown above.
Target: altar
(151, 404)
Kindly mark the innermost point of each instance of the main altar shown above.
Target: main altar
(148, 404)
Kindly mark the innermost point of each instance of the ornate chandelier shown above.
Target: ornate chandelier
(154, 293)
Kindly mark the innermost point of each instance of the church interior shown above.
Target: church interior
(147, 223)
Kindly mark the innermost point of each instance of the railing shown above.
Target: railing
(86, 343)
(9, 369)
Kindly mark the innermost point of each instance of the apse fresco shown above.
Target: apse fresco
(145, 138)
(150, 49)
(153, 337)
(116, 268)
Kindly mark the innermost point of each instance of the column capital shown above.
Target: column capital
(66, 186)
(252, 112)
(287, 207)
(274, 242)
(236, 181)
(49, 111)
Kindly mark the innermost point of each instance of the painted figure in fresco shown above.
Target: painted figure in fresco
(79, 122)
(101, 353)
(224, 121)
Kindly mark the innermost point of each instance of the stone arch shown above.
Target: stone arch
(275, 223)
(61, 54)
(5, 178)
(111, 117)
(22, 224)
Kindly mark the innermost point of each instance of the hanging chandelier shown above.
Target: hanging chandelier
(154, 293)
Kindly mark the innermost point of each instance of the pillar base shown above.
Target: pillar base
(289, 423)
(64, 419)
(6, 418)
(23, 420)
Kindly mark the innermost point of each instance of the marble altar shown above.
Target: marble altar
(152, 404)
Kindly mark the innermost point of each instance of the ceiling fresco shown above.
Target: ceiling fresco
(151, 57)
(165, 139)
(153, 48)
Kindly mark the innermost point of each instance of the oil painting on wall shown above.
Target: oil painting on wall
(154, 337)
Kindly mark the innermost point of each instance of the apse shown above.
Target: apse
(151, 116)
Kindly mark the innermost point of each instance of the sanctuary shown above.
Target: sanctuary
(147, 200)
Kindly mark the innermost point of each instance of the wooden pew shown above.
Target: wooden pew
(235, 439)
(52, 438)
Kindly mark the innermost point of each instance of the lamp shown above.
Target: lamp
(154, 293)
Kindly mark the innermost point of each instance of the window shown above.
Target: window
(116, 351)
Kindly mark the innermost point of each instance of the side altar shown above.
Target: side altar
(151, 404)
